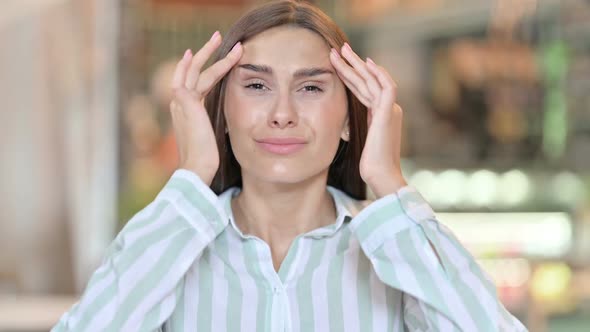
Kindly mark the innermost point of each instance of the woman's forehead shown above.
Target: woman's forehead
(285, 40)
(286, 45)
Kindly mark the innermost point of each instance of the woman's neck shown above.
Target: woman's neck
(277, 213)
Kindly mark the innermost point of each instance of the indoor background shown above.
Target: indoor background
(496, 95)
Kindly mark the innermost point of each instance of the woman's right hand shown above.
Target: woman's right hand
(195, 139)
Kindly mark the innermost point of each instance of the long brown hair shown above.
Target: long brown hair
(344, 170)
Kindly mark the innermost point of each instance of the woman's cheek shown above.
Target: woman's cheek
(328, 115)
(242, 114)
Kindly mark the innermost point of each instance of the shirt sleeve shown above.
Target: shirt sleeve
(141, 276)
(444, 289)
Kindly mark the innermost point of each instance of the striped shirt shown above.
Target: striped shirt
(182, 264)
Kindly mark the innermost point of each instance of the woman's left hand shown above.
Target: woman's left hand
(373, 86)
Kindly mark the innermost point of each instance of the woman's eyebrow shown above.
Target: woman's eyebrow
(308, 72)
(256, 68)
(304, 72)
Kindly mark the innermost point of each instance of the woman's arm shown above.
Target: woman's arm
(136, 287)
(141, 276)
(444, 287)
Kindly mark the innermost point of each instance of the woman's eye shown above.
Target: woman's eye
(255, 86)
(312, 88)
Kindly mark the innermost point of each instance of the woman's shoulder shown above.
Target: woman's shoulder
(352, 205)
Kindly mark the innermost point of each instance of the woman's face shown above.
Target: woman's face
(285, 106)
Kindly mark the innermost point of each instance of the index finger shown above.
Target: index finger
(200, 58)
(216, 72)
(351, 79)
(180, 71)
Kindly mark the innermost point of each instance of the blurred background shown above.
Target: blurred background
(496, 96)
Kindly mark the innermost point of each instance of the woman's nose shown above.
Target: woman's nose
(283, 114)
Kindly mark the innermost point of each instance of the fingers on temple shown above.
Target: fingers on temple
(219, 69)
(200, 58)
(180, 70)
(361, 68)
(388, 86)
(351, 79)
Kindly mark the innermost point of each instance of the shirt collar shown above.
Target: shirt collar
(345, 211)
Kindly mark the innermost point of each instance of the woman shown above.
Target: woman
(263, 227)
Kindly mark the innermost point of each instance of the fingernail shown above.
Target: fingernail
(187, 54)
(238, 44)
(369, 60)
(348, 46)
(215, 35)
(334, 52)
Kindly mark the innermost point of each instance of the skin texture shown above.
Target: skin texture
(286, 82)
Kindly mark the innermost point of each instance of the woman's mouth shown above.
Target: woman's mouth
(281, 145)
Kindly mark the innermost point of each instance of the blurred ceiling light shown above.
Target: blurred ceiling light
(425, 183)
(451, 187)
(514, 187)
(541, 234)
(482, 187)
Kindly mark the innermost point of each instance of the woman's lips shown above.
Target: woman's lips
(281, 145)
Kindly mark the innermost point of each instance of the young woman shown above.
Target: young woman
(263, 227)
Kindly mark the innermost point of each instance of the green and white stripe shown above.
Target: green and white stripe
(181, 264)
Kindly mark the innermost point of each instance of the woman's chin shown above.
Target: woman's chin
(283, 173)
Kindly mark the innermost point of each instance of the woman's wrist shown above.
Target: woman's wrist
(385, 185)
(200, 171)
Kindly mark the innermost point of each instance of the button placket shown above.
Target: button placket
(278, 296)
